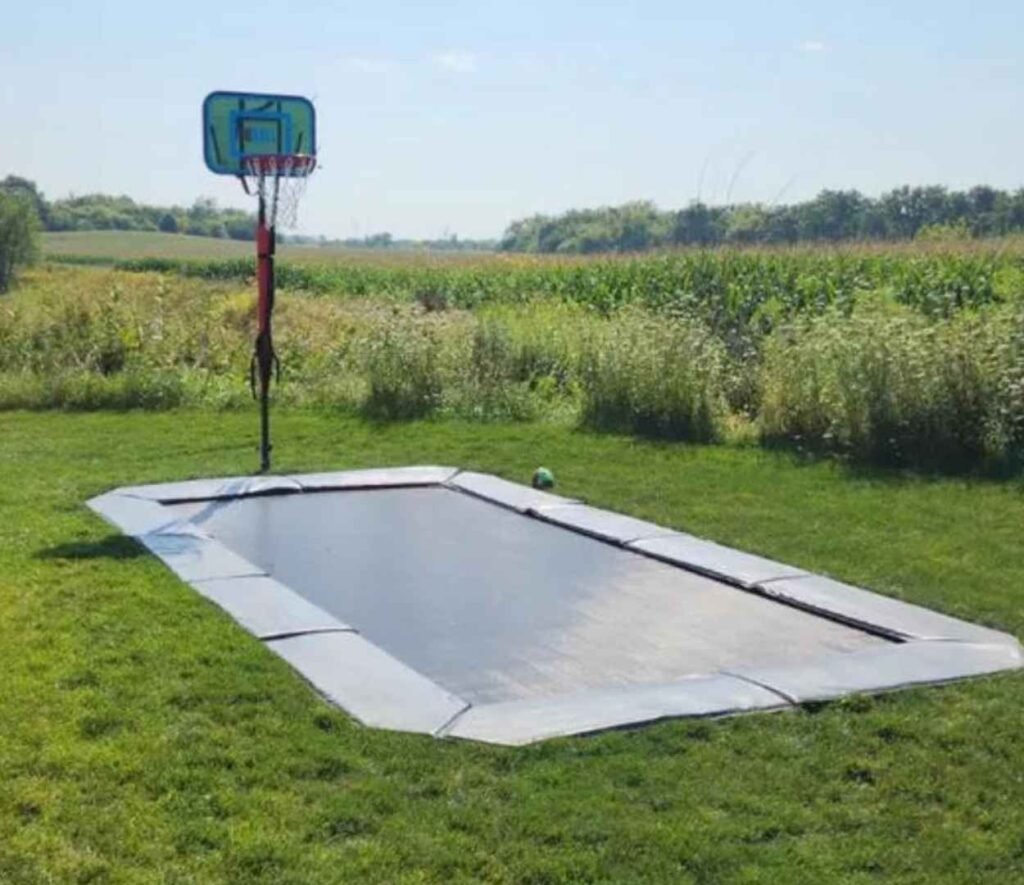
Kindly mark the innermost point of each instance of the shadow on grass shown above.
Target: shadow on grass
(111, 547)
(895, 471)
(1006, 472)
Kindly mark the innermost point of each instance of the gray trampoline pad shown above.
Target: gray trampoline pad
(429, 600)
(495, 606)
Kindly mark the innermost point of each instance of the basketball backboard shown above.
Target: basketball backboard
(241, 124)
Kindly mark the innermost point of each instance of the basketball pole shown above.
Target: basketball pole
(264, 358)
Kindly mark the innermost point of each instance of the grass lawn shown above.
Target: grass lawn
(124, 244)
(118, 245)
(146, 738)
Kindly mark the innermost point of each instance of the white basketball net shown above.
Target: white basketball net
(280, 180)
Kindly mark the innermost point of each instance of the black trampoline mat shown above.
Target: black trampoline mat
(495, 606)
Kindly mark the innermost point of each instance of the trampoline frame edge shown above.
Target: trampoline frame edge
(409, 701)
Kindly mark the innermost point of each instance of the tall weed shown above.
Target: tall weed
(867, 378)
(888, 386)
(654, 376)
(405, 366)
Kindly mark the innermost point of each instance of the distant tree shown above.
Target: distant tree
(19, 226)
(16, 185)
(782, 224)
(984, 205)
(908, 209)
(202, 209)
(696, 224)
(746, 224)
(61, 218)
(874, 225)
(168, 223)
(240, 226)
(832, 215)
(1015, 211)
(635, 226)
(381, 240)
(982, 198)
(522, 235)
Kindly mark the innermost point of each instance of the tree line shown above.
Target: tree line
(203, 218)
(832, 216)
(385, 241)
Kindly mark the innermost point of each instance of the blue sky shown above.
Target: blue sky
(459, 117)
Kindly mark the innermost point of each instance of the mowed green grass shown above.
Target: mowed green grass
(146, 738)
(126, 245)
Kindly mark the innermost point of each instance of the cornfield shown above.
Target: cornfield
(912, 357)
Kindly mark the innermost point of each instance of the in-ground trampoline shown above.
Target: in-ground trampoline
(458, 604)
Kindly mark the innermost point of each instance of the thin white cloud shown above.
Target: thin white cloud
(459, 62)
(812, 46)
(369, 65)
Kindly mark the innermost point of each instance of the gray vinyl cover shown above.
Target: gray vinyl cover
(459, 604)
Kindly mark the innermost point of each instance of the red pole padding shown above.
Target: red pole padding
(264, 275)
(264, 359)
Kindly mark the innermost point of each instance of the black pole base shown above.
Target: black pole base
(265, 446)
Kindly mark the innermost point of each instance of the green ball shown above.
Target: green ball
(543, 478)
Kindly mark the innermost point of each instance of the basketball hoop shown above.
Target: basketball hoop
(279, 180)
(268, 142)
